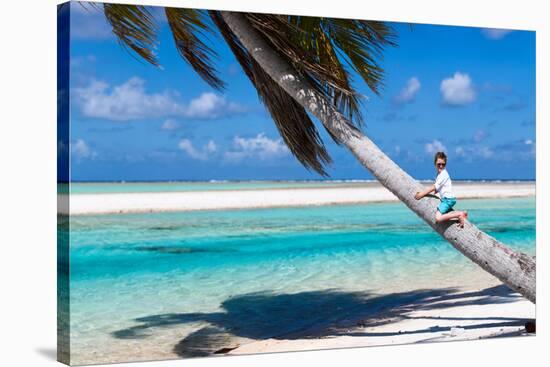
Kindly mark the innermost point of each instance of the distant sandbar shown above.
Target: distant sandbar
(265, 198)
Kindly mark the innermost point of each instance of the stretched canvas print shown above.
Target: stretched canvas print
(238, 183)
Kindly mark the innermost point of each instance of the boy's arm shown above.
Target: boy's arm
(421, 194)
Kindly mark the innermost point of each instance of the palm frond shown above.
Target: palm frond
(135, 28)
(285, 37)
(188, 26)
(362, 43)
(318, 48)
(292, 121)
(313, 38)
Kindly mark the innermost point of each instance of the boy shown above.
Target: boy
(443, 186)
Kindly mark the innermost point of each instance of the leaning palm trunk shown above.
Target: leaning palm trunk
(515, 269)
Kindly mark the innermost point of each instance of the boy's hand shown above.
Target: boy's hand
(418, 196)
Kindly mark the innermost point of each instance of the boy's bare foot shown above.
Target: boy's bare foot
(462, 219)
(465, 214)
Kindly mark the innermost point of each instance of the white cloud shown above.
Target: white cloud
(130, 101)
(480, 135)
(210, 147)
(457, 90)
(260, 147)
(473, 148)
(409, 91)
(495, 33)
(81, 150)
(515, 150)
(203, 154)
(484, 151)
(434, 147)
(204, 105)
(170, 125)
(474, 151)
(209, 105)
(511, 151)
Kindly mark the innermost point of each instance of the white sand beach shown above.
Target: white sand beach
(465, 315)
(265, 198)
(489, 310)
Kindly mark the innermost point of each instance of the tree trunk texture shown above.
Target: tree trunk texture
(515, 269)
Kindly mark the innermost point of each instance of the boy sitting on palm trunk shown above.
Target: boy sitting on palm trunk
(443, 186)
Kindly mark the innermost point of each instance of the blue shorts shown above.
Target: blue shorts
(446, 205)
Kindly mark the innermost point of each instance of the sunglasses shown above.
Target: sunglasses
(440, 164)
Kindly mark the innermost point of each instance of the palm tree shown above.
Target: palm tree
(300, 68)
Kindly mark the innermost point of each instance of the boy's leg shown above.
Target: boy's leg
(461, 216)
(444, 212)
(447, 216)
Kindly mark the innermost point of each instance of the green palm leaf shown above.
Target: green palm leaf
(188, 26)
(318, 48)
(294, 124)
(135, 28)
(362, 42)
(312, 37)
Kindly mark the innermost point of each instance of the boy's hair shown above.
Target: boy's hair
(440, 155)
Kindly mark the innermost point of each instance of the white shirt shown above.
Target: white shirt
(444, 185)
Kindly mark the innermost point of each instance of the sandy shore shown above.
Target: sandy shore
(264, 198)
(416, 316)
(467, 315)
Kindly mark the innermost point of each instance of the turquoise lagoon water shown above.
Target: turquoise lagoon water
(145, 283)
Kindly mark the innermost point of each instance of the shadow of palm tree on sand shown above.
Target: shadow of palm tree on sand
(259, 316)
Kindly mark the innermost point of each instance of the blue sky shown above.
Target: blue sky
(467, 91)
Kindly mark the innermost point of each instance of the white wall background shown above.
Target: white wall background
(28, 175)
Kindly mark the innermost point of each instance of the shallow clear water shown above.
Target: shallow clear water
(150, 280)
